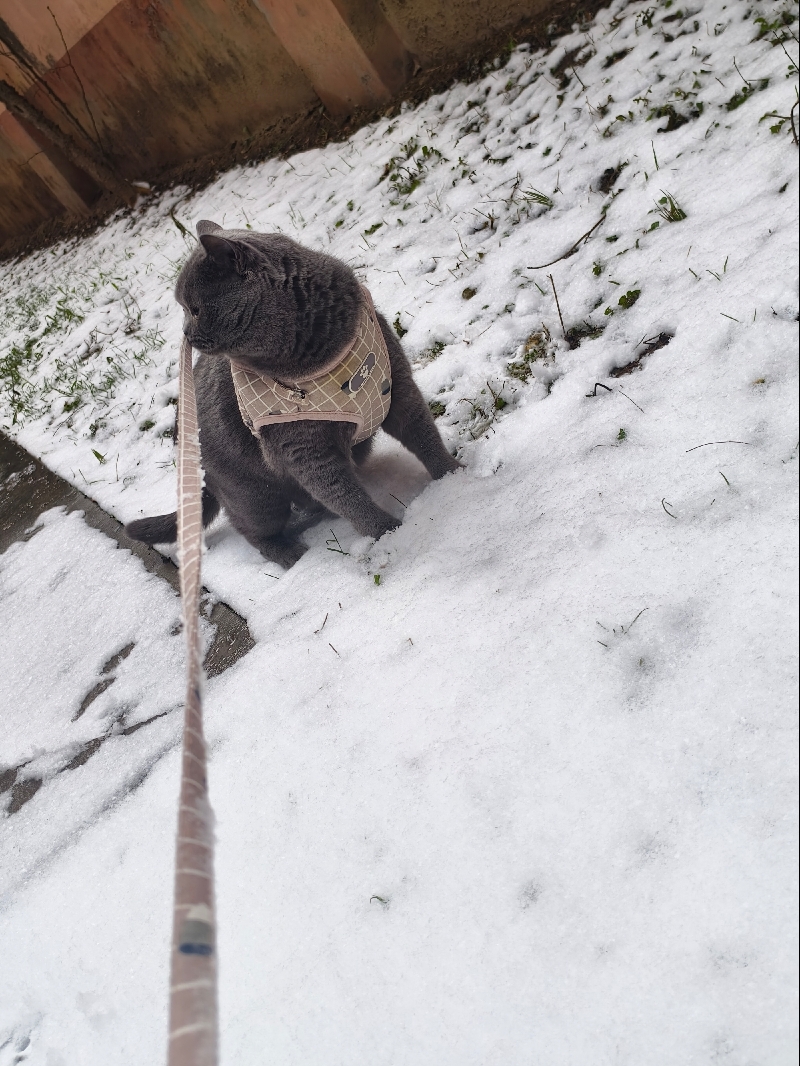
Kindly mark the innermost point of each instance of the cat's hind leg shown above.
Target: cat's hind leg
(261, 516)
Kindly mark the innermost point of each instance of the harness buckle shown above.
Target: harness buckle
(290, 392)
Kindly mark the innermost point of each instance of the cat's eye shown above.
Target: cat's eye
(194, 311)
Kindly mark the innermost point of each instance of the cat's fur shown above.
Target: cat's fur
(284, 311)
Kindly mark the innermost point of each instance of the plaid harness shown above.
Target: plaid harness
(356, 387)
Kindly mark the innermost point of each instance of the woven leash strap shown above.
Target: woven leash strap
(193, 971)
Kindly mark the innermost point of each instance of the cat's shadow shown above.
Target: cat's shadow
(392, 476)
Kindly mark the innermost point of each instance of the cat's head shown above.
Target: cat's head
(265, 301)
(225, 297)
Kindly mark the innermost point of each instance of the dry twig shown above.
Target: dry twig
(572, 247)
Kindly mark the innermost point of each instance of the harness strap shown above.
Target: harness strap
(193, 970)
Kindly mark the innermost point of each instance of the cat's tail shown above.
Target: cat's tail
(163, 529)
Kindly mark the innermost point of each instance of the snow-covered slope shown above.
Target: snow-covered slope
(515, 783)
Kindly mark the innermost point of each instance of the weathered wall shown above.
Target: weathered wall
(166, 81)
(37, 181)
(436, 29)
(145, 85)
(24, 198)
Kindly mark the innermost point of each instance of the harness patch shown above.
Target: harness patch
(361, 375)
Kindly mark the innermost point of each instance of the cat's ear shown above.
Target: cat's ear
(221, 250)
(204, 226)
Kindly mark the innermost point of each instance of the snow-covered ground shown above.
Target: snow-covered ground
(517, 783)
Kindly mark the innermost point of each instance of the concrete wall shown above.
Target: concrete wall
(146, 85)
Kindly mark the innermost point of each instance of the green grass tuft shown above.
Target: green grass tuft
(629, 298)
(745, 93)
(669, 208)
(534, 196)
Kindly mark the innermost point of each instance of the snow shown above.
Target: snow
(530, 796)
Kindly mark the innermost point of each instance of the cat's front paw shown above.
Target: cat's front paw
(447, 465)
(386, 524)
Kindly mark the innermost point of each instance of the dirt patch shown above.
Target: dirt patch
(91, 696)
(22, 792)
(576, 335)
(608, 179)
(615, 57)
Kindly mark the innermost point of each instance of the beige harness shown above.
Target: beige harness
(356, 387)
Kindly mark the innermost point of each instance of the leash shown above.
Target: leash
(193, 970)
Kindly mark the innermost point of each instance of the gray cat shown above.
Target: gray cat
(283, 311)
